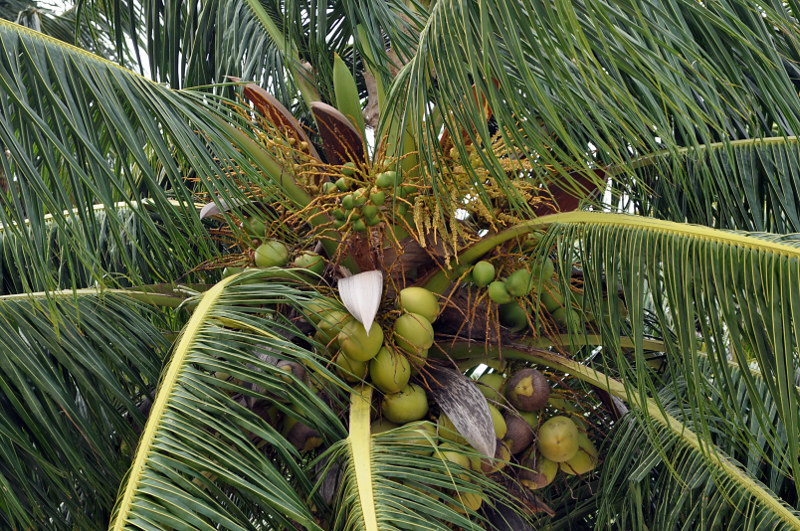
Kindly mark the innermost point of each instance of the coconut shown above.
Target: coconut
(513, 316)
(498, 422)
(411, 403)
(420, 435)
(584, 460)
(357, 344)
(498, 292)
(448, 430)
(420, 301)
(330, 325)
(543, 270)
(310, 261)
(255, 227)
(271, 254)
(292, 366)
(502, 455)
(389, 371)
(469, 501)
(557, 439)
(527, 390)
(491, 385)
(551, 298)
(519, 283)
(538, 474)
(348, 369)
(301, 436)
(381, 425)
(483, 273)
(519, 434)
(413, 333)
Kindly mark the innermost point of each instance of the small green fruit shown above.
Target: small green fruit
(386, 179)
(360, 197)
(513, 316)
(272, 253)
(543, 270)
(377, 198)
(343, 184)
(329, 187)
(255, 227)
(369, 211)
(492, 387)
(330, 325)
(348, 369)
(310, 261)
(420, 301)
(389, 371)
(349, 169)
(359, 225)
(371, 222)
(551, 298)
(519, 283)
(483, 273)
(557, 439)
(232, 270)
(584, 461)
(498, 422)
(348, 202)
(357, 344)
(411, 403)
(339, 214)
(498, 292)
(413, 333)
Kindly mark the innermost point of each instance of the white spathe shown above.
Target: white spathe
(361, 295)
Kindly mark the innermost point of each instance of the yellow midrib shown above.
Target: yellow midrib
(360, 440)
(188, 336)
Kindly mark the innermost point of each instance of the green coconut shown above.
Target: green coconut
(519, 284)
(310, 261)
(271, 254)
(513, 316)
(389, 371)
(492, 385)
(498, 292)
(527, 390)
(483, 273)
(330, 325)
(557, 439)
(357, 344)
(584, 460)
(498, 422)
(255, 227)
(348, 369)
(448, 431)
(411, 403)
(420, 301)
(538, 474)
(413, 333)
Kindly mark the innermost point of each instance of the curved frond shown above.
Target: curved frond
(212, 452)
(577, 87)
(70, 395)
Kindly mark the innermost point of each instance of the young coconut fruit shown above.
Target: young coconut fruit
(301, 436)
(413, 333)
(519, 434)
(584, 460)
(350, 370)
(411, 403)
(389, 371)
(528, 390)
(330, 325)
(420, 301)
(357, 344)
(498, 292)
(310, 261)
(421, 436)
(502, 455)
(538, 474)
(448, 430)
(491, 385)
(519, 283)
(498, 422)
(271, 254)
(483, 273)
(557, 439)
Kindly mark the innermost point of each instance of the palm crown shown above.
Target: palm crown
(595, 206)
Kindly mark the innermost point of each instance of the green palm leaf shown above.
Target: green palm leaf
(199, 460)
(70, 400)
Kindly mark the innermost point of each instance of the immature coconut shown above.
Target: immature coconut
(271, 253)
(491, 385)
(357, 344)
(527, 390)
(348, 369)
(483, 273)
(498, 422)
(301, 436)
(519, 434)
(409, 404)
(584, 460)
(519, 283)
(389, 371)
(448, 430)
(330, 325)
(310, 261)
(413, 333)
(538, 474)
(502, 455)
(498, 292)
(557, 439)
(420, 301)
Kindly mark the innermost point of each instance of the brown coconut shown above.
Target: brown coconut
(519, 434)
(528, 390)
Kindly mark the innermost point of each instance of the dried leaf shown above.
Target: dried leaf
(361, 295)
(342, 141)
(464, 404)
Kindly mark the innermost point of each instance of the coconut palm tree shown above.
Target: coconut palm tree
(201, 220)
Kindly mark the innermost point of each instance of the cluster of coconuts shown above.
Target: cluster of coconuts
(360, 199)
(560, 444)
(275, 253)
(387, 360)
(512, 293)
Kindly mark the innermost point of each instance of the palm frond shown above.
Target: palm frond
(205, 456)
(582, 86)
(70, 394)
